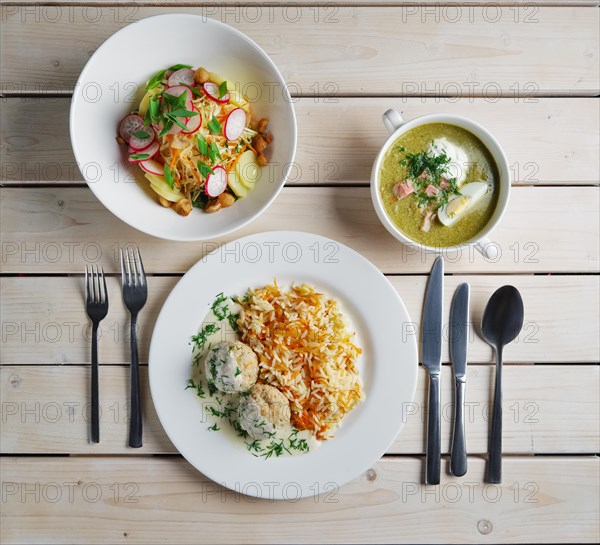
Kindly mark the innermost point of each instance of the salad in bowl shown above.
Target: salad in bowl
(194, 137)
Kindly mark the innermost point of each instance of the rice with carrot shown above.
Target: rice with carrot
(306, 350)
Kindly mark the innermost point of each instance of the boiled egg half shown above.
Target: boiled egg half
(456, 207)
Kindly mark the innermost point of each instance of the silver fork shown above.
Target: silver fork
(135, 293)
(96, 306)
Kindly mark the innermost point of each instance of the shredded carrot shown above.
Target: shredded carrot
(238, 157)
(175, 153)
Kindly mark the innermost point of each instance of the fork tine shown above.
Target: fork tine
(105, 300)
(95, 282)
(87, 285)
(141, 268)
(134, 269)
(127, 267)
(130, 269)
(123, 279)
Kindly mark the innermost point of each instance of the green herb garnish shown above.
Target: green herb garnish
(202, 145)
(222, 89)
(297, 443)
(214, 152)
(155, 79)
(424, 169)
(153, 112)
(169, 176)
(254, 446)
(214, 126)
(200, 339)
(139, 156)
(182, 113)
(233, 318)
(276, 448)
(179, 66)
(218, 308)
(141, 134)
(204, 169)
(198, 386)
(214, 427)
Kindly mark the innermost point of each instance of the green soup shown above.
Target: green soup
(408, 213)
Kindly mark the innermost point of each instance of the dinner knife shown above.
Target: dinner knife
(431, 349)
(459, 336)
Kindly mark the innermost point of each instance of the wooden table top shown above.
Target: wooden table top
(528, 71)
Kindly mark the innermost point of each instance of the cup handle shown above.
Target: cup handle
(392, 120)
(487, 249)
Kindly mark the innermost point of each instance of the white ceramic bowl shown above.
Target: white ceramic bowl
(397, 126)
(112, 84)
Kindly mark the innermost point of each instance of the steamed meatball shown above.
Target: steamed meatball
(232, 367)
(265, 411)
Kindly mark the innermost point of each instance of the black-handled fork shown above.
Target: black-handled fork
(135, 293)
(96, 306)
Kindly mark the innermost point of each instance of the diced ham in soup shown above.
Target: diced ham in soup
(431, 190)
(402, 189)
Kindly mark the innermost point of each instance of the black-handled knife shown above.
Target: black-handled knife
(431, 350)
(459, 338)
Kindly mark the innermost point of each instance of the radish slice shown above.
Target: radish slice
(193, 123)
(130, 124)
(185, 76)
(175, 129)
(178, 90)
(139, 144)
(211, 90)
(153, 167)
(235, 124)
(145, 154)
(216, 182)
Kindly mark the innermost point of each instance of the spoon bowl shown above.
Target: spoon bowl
(502, 317)
(502, 322)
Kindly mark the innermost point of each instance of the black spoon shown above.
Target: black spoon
(502, 321)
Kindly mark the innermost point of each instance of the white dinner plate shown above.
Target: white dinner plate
(388, 364)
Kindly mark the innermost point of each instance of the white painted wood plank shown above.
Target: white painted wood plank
(545, 229)
(550, 50)
(44, 320)
(523, 4)
(45, 410)
(555, 142)
(143, 500)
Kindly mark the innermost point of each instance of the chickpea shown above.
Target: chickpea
(120, 140)
(201, 75)
(213, 206)
(261, 126)
(183, 207)
(259, 143)
(226, 199)
(262, 160)
(164, 202)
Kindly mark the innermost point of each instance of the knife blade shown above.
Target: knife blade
(459, 337)
(431, 350)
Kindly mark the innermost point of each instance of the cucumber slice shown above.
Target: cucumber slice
(160, 186)
(248, 169)
(234, 183)
(215, 78)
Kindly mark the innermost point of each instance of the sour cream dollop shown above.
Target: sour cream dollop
(459, 160)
